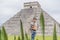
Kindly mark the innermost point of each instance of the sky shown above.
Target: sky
(8, 8)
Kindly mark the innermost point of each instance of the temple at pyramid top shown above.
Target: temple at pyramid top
(31, 5)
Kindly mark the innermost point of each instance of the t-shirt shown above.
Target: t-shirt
(32, 23)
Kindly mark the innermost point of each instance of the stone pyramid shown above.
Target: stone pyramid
(30, 10)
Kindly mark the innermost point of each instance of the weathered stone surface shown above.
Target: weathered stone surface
(12, 26)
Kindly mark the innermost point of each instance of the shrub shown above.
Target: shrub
(4, 34)
(0, 34)
(54, 33)
(22, 31)
(42, 23)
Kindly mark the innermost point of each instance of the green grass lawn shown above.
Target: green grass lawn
(37, 37)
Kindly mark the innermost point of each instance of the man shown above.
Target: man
(33, 28)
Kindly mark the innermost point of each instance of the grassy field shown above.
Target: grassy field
(46, 37)
(37, 37)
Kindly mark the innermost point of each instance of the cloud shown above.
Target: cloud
(7, 9)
